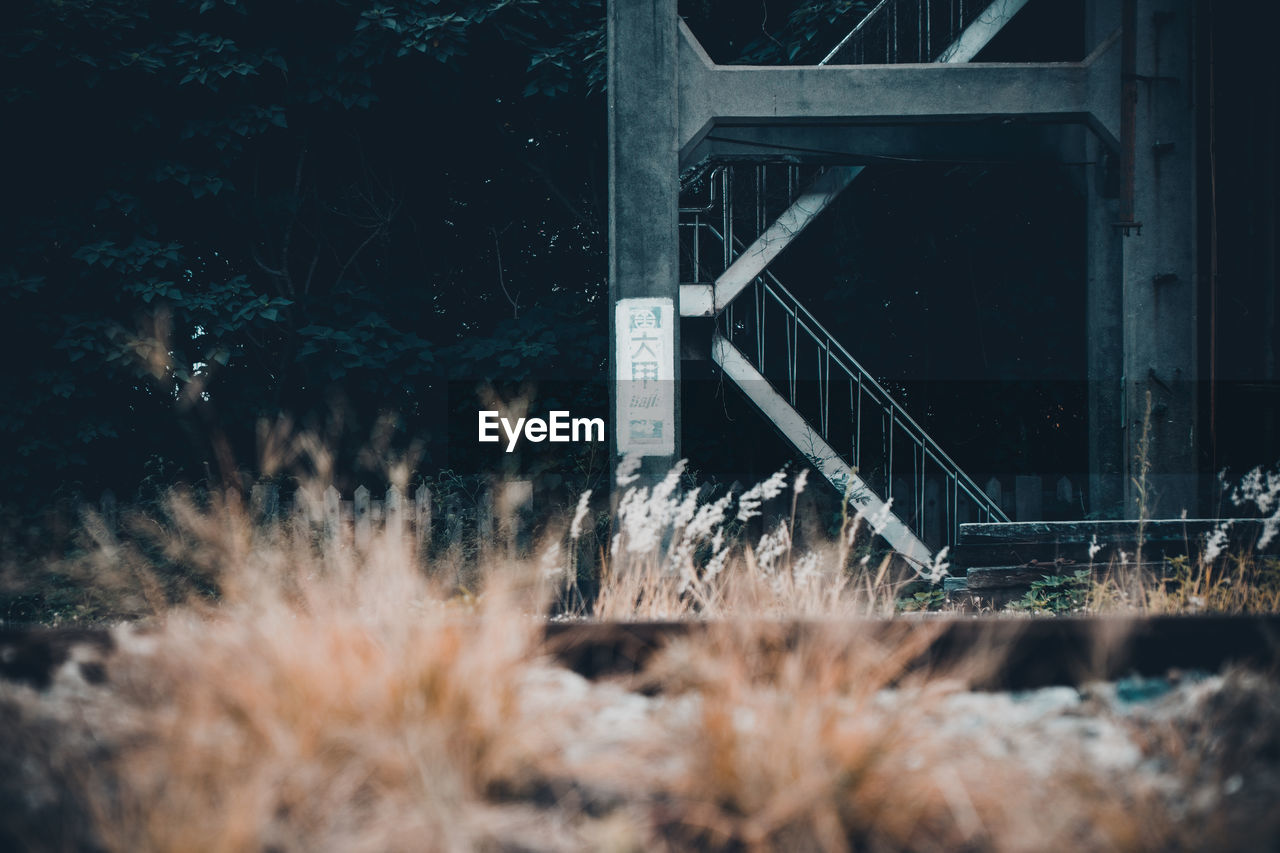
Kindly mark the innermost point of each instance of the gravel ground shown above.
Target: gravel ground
(1200, 750)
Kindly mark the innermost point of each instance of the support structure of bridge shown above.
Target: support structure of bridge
(903, 85)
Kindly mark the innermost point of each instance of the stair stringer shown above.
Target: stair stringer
(819, 453)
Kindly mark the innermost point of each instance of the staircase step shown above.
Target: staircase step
(1021, 577)
(1106, 532)
(1000, 561)
(1022, 543)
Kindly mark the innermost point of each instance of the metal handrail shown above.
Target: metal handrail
(826, 60)
(768, 291)
(908, 31)
(904, 31)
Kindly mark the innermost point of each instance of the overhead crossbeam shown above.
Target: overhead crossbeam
(824, 143)
(871, 144)
(719, 95)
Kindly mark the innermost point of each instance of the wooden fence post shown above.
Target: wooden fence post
(363, 521)
(395, 513)
(422, 517)
(332, 516)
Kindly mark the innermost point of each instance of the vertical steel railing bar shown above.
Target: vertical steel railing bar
(886, 41)
(759, 201)
(826, 387)
(882, 397)
(697, 241)
(955, 509)
(892, 56)
(922, 486)
(920, 52)
(919, 488)
(895, 33)
(853, 422)
(892, 424)
(793, 352)
(926, 31)
(915, 490)
(857, 437)
(924, 490)
(727, 234)
(758, 296)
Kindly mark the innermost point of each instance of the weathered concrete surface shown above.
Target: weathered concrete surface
(1061, 91)
(1160, 265)
(869, 144)
(643, 175)
(672, 107)
(1104, 326)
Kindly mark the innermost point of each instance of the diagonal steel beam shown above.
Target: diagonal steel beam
(981, 31)
(820, 454)
(779, 235)
(696, 301)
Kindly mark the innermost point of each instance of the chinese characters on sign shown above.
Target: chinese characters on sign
(646, 390)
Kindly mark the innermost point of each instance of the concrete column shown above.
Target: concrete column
(1103, 304)
(644, 270)
(1160, 270)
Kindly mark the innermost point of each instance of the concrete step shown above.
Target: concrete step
(999, 562)
(1105, 542)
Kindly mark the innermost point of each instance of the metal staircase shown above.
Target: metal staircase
(736, 219)
(900, 31)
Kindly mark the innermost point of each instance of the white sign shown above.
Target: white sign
(646, 413)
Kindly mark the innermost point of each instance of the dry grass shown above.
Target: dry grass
(329, 698)
(334, 697)
(824, 745)
(1238, 582)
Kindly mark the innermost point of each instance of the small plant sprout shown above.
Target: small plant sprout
(879, 519)
(1216, 542)
(772, 546)
(1262, 489)
(549, 565)
(749, 503)
(628, 470)
(575, 529)
(937, 570)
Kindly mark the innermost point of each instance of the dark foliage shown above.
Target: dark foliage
(217, 211)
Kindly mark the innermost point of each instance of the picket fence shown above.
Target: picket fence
(355, 520)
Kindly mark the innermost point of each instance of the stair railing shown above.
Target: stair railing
(852, 411)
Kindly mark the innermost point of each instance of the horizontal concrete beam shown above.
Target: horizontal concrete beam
(997, 140)
(717, 95)
(697, 300)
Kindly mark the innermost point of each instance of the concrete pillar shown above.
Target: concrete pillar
(1159, 262)
(644, 271)
(1103, 304)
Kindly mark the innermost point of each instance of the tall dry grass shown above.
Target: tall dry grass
(325, 698)
(289, 690)
(1241, 577)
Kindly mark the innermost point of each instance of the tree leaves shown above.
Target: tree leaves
(228, 214)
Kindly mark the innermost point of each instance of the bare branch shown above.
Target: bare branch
(515, 303)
